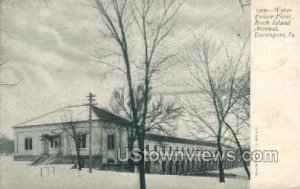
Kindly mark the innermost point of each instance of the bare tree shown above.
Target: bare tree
(219, 77)
(4, 62)
(241, 111)
(72, 130)
(3, 67)
(161, 115)
(244, 4)
(153, 21)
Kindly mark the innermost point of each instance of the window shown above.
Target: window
(111, 142)
(147, 147)
(110, 161)
(82, 141)
(28, 143)
(53, 144)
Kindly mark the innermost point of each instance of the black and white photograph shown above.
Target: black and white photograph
(140, 94)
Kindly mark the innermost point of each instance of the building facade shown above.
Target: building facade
(48, 139)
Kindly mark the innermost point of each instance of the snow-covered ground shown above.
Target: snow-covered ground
(239, 172)
(19, 175)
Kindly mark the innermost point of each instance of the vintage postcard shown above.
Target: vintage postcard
(149, 94)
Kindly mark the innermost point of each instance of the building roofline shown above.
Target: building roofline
(109, 117)
(173, 139)
(102, 114)
(43, 115)
(52, 124)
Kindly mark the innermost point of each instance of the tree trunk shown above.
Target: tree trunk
(142, 173)
(220, 163)
(244, 162)
(130, 162)
(240, 149)
(78, 159)
(142, 162)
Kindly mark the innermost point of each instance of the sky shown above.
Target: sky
(48, 50)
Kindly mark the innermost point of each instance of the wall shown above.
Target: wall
(67, 143)
(99, 140)
(120, 141)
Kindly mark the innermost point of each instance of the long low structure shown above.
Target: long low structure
(50, 139)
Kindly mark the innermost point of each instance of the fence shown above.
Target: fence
(175, 167)
(49, 169)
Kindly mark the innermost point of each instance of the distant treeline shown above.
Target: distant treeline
(6, 145)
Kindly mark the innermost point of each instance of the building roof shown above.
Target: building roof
(106, 116)
(76, 113)
(66, 114)
(172, 139)
(80, 113)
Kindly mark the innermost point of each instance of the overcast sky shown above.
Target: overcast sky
(48, 49)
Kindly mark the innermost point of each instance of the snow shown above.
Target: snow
(239, 172)
(20, 175)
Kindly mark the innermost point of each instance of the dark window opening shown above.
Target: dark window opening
(82, 141)
(111, 142)
(28, 143)
(53, 143)
(110, 161)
